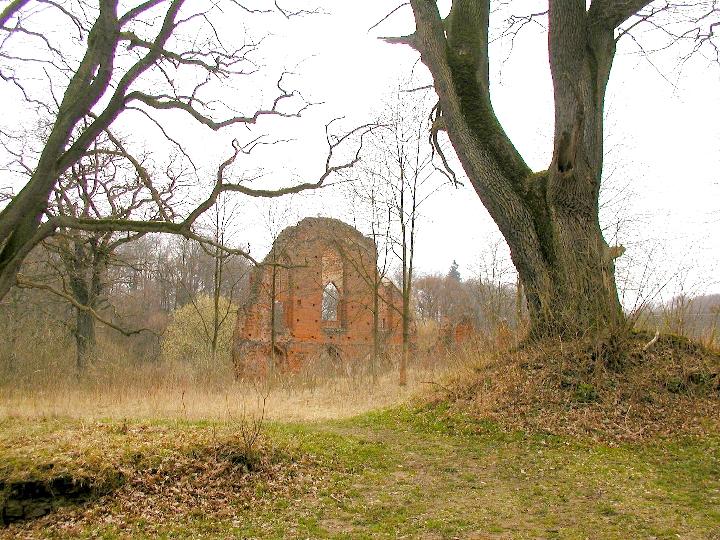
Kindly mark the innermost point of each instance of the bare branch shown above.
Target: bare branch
(514, 24)
(409, 40)
(299, 13)
(82, 30)
(24, 283)
(143, 175)
(417, 89)
(386, 17)
(172, 140)
(172, 102)
(11, 10)
(113, 225)
(120, 68)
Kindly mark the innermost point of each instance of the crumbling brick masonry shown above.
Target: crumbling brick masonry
(313, 296)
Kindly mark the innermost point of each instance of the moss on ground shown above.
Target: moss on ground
(417, 472)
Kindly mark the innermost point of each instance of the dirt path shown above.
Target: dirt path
(407, 478)
(401, 473)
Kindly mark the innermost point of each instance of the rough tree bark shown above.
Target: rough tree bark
(550, 218)
(85, 264)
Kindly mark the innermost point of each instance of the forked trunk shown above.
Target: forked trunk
(549, 219)
(579, 295)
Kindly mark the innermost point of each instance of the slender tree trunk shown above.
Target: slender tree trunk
(376, 323)
(405, 312)
(405, 339)
(273, 333)
(217, 285)
(84, 339)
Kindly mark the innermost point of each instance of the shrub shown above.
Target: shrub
(189, 335)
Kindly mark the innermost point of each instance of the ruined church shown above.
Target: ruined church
(315, 295)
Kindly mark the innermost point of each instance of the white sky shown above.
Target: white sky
(662, 140)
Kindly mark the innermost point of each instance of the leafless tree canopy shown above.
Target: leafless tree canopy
(108, 60)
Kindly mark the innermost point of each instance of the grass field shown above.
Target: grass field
(407, 471)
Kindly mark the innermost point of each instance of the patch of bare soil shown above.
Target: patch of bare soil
(612, 389)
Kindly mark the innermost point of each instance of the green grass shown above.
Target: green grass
(404, 472)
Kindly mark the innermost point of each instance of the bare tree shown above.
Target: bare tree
(380, 224)
(157, 56)
(369, 193)
(221, 223)
(405, 162)
(548, 218)
(216, 275)
(95, 187)
(77, 264)
(276, 220)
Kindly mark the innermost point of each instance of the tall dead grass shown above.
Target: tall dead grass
(40, 380)
(117, 385)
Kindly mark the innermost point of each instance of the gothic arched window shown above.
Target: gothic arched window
(330, 302)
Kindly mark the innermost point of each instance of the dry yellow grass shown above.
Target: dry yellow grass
(43, 382)
(182, 399)
(113, 389)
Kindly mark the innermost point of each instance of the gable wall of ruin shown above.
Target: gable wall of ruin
(304, 259)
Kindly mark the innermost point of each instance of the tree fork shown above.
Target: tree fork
(549, 219)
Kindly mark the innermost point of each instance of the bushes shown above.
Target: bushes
(190, 334)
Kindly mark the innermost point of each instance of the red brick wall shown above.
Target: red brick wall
(314, 252)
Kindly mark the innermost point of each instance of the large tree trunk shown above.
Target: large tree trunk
(582, 295)
(84, 321)
(549, 219)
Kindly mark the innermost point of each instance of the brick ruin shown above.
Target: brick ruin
(312, 298)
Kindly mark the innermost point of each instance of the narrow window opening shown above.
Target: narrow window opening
(330, 302)
(279, 322)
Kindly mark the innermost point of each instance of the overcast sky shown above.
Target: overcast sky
(662, 142)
